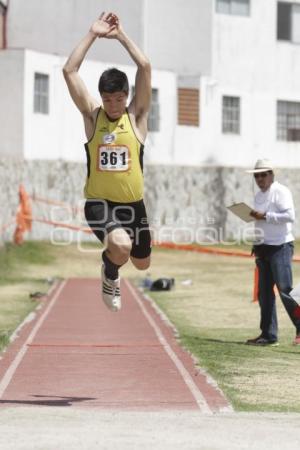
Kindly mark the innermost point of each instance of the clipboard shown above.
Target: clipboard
(242, 211)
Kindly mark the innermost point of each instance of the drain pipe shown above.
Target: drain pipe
(4, 31)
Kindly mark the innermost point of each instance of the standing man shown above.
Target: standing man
(274, 214)
(115, 135)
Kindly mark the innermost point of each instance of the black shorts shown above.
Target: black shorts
(103, 216)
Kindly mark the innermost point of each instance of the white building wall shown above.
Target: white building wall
(41, 136)
(236, 55)
(177, 37)
(56, 26)
(11, 102)
(194, 145)
(60, 134)
(248, 62)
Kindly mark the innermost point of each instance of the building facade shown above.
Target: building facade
(250, 101)
(41, 121)
(236, 95)
(226, 91)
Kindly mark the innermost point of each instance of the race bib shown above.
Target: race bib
(113, 158)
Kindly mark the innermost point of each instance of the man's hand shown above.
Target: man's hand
(107, 26)
(257, 215)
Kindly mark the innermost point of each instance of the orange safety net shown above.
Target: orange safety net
(23, 217)
(201, 249)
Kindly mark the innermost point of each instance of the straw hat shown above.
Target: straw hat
(262, 165)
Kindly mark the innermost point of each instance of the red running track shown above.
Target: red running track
(76, 352)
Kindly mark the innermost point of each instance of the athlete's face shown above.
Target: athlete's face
(114, 104)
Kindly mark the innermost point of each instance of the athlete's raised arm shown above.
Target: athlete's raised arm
(140, 104)
(78, 91)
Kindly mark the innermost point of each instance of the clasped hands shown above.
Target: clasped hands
(108, 26)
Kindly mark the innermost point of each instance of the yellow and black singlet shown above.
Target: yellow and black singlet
(114, 161)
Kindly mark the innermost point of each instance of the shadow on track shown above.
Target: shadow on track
(57, 401)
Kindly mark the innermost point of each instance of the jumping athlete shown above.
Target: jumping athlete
(115, 134)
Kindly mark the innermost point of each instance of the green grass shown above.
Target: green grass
(4, 340)
(15, 286)
(246, 373)
(215, 315)
(13, 259)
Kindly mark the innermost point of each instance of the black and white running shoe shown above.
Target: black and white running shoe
(111, 294)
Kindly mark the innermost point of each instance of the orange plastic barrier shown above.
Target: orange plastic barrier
(200, 249)
(24, 222)
(54, 203)
(23, 219)
(211, 250)
(60, 224)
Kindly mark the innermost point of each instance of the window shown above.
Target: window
(188, 107)
(41, 93)
(154, 116)
(288, 22)
(2, 26)
(288, 121)
(284, 21)
(231, 115)
(234, 7)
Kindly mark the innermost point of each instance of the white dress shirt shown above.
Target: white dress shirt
(277, 203)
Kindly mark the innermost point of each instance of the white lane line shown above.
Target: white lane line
(196, 393)
(20, 355)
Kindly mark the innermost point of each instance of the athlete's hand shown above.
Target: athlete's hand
(117, 30)
(105, 26)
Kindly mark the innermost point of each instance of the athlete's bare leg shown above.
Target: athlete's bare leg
(118, 246)
(118, 250)
(116, 254)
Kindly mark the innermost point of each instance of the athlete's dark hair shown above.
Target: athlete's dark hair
(113, 80)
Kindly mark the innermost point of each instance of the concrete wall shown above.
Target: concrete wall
(11, 103)
(190, 202)
(56, 180)
(185, 204)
